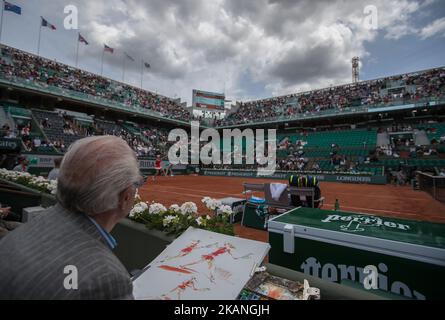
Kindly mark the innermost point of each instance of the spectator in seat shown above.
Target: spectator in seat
(5, 131)
(28, 146)
(23, 165)
(97, 184)
(37, 142)
(54, 173)
(25, 133)
(45, 123)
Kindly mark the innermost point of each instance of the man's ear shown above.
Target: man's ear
(125, 197)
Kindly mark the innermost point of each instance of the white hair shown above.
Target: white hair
(94, 172)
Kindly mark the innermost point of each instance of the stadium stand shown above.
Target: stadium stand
(47, 131)
(19, 66)
(24, 126)
(401, 89)
(58, 127)
(357, 151)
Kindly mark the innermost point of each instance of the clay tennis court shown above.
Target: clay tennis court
(382, 200)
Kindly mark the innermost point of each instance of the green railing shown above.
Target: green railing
(83, 97)
(345, 111)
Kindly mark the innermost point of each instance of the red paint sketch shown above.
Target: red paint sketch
(209, 258)
(179, 270)
(186, 285)
(187, 250)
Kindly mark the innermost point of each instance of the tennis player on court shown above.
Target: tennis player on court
(158, 167)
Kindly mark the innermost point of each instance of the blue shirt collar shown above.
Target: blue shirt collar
(111, 242)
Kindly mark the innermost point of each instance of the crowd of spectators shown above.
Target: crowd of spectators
(18, 64)
(293, 163)
(149, 142)
(23, 132)
(409, 87)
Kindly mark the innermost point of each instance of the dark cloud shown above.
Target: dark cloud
(309, 66)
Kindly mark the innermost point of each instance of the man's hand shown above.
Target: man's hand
(4, 212)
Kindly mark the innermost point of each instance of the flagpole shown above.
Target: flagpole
(77, 50)
(40, 35)
(123, 69)
(102, 64)
(1, 25)
(142, 73)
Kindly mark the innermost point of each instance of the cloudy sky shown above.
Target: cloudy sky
(249, 49)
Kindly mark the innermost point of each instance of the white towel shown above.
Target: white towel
(277, 189)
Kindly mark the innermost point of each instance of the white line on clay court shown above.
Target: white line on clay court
(206, 193)
(324, 193)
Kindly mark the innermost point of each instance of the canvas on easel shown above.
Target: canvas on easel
(201, 265)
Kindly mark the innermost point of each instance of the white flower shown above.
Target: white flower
(189, 208)
(225, 209)
(138, 209)
(132, 213)
(208, 217)
(206, 199)
(157, 208)
(143, 205)
(168, 220)
(211, 204)
(52, 185)
(175, 208)
(199, 221)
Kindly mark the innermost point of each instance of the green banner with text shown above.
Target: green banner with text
(353, 178)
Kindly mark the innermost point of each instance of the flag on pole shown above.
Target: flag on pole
(83, 40)
(13, 8)
(108, 49)
(45, 23)
(128, 56)
(147, 65)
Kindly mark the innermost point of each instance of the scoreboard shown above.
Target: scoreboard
(208, 100)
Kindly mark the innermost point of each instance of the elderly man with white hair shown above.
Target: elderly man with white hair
(67, 252)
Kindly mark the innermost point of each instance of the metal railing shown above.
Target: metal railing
(80, 96)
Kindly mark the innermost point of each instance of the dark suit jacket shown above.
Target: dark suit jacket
(33, 259)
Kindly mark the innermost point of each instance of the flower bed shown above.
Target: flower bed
(31, 181)
(155, 216)
(176, 219)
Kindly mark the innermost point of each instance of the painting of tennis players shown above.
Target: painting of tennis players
(201, 265)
